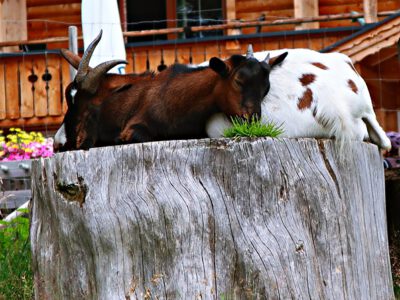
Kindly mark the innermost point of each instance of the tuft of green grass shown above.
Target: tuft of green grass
(16, 278)
(252, 128)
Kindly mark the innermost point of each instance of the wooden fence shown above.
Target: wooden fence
(15, 185)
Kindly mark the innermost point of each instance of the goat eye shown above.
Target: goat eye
(238, 83)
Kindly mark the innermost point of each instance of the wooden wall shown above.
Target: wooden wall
(251, 10)
(382, 75)
(51, 18)
(12, 22)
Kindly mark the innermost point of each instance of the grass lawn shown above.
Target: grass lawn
(16, 278)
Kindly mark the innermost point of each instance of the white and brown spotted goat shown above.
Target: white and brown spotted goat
(316, 95)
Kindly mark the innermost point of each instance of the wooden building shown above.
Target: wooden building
(33, 76)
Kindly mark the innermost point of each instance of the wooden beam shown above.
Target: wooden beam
(52, 123)
(32, 3)
(230, 10)
(171, 17)
(13, 24)
(306, 8)
(265, 6)
(123, 14)
(370, 11)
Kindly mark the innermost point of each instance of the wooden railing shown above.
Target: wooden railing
(31, 88)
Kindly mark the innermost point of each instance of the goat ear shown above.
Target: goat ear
(71, 57)
(274, 61)
(219, 66)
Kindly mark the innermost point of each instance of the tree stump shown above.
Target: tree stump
(211, 219)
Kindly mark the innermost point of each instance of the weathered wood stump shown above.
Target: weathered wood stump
(211, 219)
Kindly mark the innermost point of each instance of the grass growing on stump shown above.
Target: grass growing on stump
(252, 128)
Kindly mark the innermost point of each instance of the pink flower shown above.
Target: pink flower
(11, 147)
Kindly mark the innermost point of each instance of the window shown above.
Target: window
(199, 12)
(152, 14)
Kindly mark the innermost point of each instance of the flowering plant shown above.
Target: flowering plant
(21, 145)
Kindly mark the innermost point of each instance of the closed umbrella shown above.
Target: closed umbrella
(103, 14)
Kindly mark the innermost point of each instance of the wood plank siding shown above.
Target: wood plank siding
(253, 9)
(51, 18)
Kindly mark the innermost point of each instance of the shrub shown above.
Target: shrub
(252, 128)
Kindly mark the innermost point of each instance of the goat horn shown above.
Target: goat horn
(84, 64)
(92, 80)
(267, 58)
(71, 58)
(249, 53)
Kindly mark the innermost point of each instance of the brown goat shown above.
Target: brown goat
(108, 109)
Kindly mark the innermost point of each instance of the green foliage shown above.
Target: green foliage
(396, 292)
(252, 128)
(16, 278)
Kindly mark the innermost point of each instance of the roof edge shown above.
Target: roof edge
(364, 29)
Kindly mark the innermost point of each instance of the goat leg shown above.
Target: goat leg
(135, 133)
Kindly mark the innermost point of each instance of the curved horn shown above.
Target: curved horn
(267, 58)
(71, 58)
(91, 81)
(84, 64)
(249, 53)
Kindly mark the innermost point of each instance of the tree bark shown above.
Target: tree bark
(211, 219)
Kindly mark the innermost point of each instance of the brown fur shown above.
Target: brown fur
(320, 65)
(306, 100)
(307, 79)
(352, 86)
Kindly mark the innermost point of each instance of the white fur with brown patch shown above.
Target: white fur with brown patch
(336, 110)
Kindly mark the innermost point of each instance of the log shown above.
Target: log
(211, 219)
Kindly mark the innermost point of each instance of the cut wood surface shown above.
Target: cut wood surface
(211, 219)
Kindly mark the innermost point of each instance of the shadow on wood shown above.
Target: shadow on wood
(211, 219)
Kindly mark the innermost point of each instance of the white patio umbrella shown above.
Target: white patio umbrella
(103, 14)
